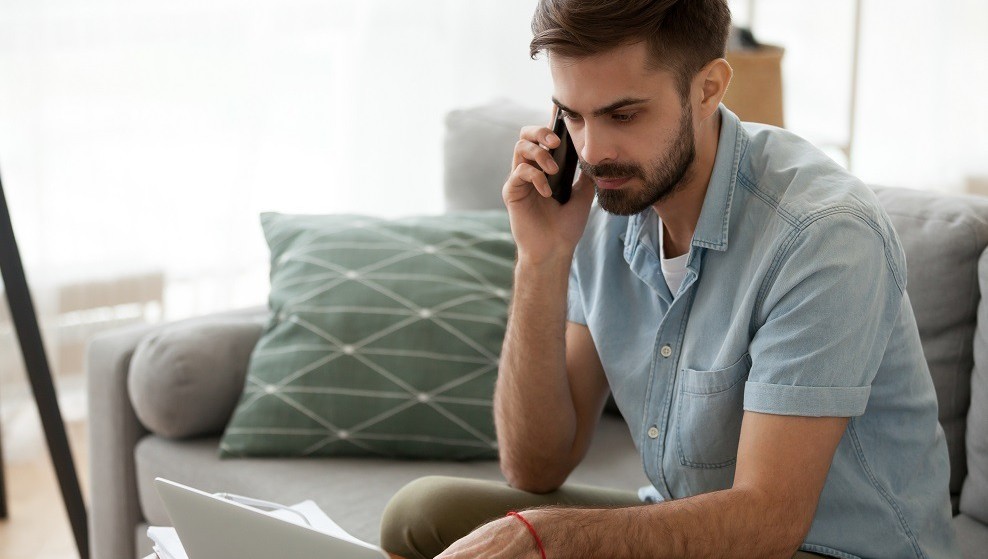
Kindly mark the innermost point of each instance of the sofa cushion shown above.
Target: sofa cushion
(384, 338)
(479, 144)
(974, 497)
(352, 491)
(186, 377)
(972, 536)
(943, 237)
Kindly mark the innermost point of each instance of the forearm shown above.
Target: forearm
(533, 406)
(729, 523)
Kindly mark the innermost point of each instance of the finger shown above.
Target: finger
(533, 152)
(522, 179)
(537, 178)
(539, 135)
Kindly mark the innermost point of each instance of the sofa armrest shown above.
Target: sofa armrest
(114, 430)
(187, 377)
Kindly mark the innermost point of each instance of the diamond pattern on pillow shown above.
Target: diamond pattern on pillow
(383, 340)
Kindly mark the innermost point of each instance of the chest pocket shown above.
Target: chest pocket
(708, 424)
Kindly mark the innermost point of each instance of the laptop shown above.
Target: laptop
(212, 527)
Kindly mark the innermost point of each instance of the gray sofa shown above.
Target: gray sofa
(159, 395)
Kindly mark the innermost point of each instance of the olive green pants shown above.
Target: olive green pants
(429, 514)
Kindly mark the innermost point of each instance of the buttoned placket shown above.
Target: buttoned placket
(641, 254)
(645, 264)
(662, 382)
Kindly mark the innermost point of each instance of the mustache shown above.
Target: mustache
(611, 170)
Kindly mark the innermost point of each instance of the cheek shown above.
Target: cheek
(667, 132)
(652, 145)
(665, 139)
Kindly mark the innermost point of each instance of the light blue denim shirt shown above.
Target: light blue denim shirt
(794, 303)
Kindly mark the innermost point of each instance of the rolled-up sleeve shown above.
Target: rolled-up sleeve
(827, 311)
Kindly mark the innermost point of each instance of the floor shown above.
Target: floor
(37, 526)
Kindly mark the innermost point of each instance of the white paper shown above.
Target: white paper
(168, 546)
(166, 543)
(320, 521)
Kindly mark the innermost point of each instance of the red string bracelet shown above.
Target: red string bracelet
(538, 540)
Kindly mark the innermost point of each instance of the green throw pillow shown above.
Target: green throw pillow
(383, 340)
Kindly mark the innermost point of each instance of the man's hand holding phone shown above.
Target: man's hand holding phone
(542, 227)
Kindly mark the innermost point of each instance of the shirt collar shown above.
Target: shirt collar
(715, 216)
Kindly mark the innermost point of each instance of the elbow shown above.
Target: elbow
(788, 548)
(778, 541)
(797, 524)
(538, 486)
(786, 523)
(792, 537)
(795, 538)
(530, 480)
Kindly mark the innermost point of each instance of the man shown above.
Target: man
(742, 297)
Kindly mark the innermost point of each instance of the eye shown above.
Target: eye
(570, 116)
(628, 117)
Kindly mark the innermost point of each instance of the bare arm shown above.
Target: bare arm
(782, 466)
(550, 387)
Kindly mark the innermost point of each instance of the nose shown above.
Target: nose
(597, 146)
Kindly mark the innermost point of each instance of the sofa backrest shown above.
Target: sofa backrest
(478, 146)
(974, 496)
(944, 238)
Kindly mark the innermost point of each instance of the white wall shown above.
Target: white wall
(140, 135)
(920, 122)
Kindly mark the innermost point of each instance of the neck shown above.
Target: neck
(681, 211)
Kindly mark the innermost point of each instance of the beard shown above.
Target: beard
(665, 176)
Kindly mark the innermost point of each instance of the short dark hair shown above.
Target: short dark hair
(682, 35)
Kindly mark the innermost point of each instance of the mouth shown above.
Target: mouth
(611, 184)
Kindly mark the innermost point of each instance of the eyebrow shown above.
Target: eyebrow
(620, 103)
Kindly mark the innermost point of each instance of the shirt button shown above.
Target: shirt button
(666, 351)
(653, 432)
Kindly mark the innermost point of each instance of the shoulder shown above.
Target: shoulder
(800, 181)
(813, 199)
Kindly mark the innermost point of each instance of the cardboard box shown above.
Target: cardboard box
(755, 91)
(977, 185)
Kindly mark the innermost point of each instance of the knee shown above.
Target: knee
(412, 525)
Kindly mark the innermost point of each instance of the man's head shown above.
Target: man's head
(634, 77)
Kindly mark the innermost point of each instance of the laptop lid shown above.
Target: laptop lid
(211, 527)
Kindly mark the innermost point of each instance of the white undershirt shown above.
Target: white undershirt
(674, 269)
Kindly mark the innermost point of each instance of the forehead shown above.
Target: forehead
(588, 82)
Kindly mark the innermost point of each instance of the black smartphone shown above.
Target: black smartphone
(565, 156)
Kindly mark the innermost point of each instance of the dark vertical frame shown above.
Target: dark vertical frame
(35, 360)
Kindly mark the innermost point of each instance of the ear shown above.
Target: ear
(709, 87)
